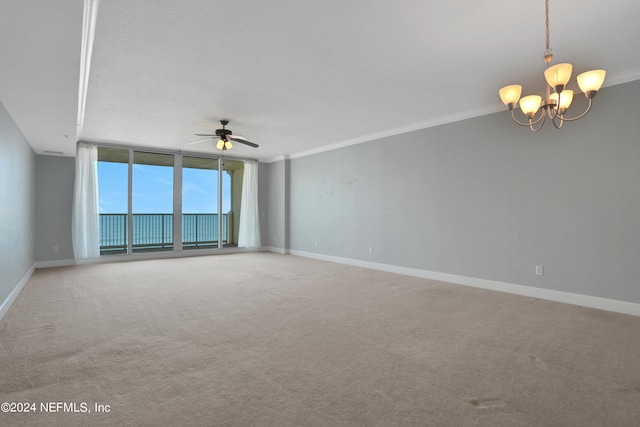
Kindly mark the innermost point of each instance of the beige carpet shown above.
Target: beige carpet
(273, 340)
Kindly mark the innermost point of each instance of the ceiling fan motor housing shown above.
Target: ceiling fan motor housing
(222, 133)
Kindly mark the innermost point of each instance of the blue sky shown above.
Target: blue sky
(153, 189)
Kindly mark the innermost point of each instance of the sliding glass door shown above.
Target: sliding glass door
(152, 202)
(165, 202)
(200, 219)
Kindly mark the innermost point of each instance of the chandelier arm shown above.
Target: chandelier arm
(556, 125)
(554, 110)
(530, 122)
(551, 111)
(570, 119)
(543, 118)
(516, 120)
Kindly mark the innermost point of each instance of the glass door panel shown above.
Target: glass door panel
(200, 222)
(113, 188)
(152, 202)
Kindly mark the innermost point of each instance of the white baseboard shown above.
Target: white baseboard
(56, 263)
(6, 304)
(529, 291)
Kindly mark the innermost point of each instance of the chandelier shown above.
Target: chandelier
(556, 103)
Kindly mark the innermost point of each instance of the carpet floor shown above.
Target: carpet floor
(261, 339)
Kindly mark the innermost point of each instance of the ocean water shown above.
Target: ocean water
(156, 230)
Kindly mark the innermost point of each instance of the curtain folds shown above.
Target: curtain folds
(86, 209)
(249, 227)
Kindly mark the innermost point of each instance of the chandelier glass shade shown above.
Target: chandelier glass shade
(558, 99)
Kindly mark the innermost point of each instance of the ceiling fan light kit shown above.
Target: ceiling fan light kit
(225, 136)
(556, 103)
(224, 145)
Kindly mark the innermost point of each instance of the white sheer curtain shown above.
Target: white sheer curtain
(86, 210)
(249, 227)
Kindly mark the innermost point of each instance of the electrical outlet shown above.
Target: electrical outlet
(539, 270)
(55, 249)
(370, 249)
(315, 243)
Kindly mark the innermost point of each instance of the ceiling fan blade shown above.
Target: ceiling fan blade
(244, 141)
(202, 140)
(204, 134)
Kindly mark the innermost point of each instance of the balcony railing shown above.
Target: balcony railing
(153, 232)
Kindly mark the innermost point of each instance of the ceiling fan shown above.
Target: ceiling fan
(225, 136)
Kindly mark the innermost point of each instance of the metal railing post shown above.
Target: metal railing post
(196, 237)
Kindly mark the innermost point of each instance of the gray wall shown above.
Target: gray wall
(54, 199)
(485, 198)
(263, 200)
(17, 205)
(274, 181)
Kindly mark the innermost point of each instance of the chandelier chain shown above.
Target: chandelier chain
(548, 50)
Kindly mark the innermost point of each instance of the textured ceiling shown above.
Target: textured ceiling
(294, 76)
